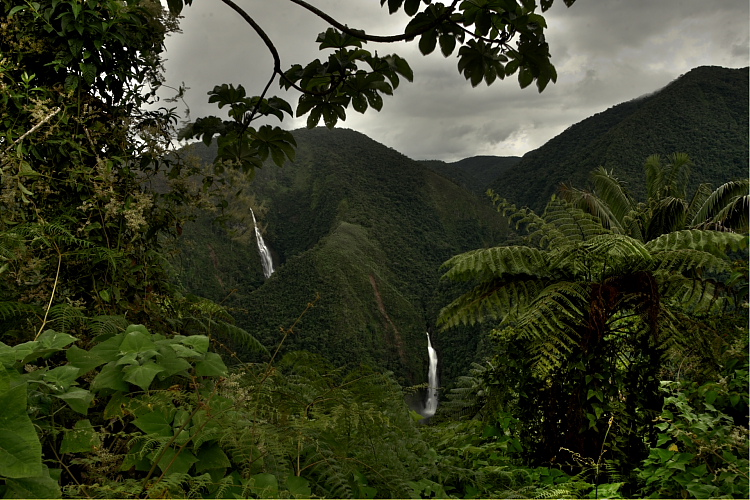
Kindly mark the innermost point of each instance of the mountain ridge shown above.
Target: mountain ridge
(703, 113)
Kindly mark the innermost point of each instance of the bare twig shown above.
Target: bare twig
(34, 128)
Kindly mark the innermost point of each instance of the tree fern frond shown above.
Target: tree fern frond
(490, 300)
(571, 225)
(695, 296)
(688, 260)
(239, 336)
(495, 262)
(714, 242)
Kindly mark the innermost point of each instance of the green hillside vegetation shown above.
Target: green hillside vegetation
(704, 113)
(362, 226)
(476, 173)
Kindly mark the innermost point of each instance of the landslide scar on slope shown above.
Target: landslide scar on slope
(397, 340)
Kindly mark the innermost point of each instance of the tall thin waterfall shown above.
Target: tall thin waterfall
(431, 403)
(265, 255)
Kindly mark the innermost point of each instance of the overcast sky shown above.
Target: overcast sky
(605, 51)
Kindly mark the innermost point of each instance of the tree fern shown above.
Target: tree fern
(589, 301)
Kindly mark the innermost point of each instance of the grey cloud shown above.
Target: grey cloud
(606, 52)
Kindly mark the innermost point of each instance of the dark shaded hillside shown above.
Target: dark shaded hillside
(476, 173)
(364, 227)
(703, 113)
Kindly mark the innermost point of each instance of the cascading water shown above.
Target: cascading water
(430, 405)
(265, 255)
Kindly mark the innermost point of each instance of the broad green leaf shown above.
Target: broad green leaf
(265, 485)
(20, 449)
(142, 375)
(136, 341)
(171, 363)
(175, 6)
(84, 360)
(199, 343)
(109, 350)
(41, 486)
(155, 423)
(211, 457)
(81, 438)
(47, 343)
(427, 42)
(211, 366)
(62, 376)
(173, 462)
(111, 377)
(299, 487)
(78, 399)
(525, 77)
(4, 379)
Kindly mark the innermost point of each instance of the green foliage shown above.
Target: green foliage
(700, 451)
(591, 311)
(667, 208)
(79, 225)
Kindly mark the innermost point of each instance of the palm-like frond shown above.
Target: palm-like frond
(612, 192)
(593, 204)
(727, 205)
(666, 214)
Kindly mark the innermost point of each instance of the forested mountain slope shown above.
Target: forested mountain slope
(704, 113)
(362, 226)
(475, 173)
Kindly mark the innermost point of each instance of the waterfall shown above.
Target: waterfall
(265, 254)
(431, 403)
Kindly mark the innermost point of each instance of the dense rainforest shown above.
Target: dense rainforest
(592, 338)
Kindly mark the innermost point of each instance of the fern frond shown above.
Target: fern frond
(490, 300)
(64, 317)
(11, 309)
(688, 260)
(570, 225)
(106, 325)
(496, 262)
(714, 242)
(239, 336)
